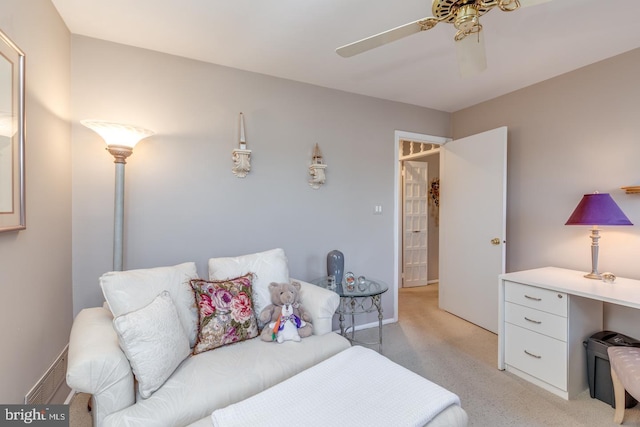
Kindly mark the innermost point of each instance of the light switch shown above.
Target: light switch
(377, 210)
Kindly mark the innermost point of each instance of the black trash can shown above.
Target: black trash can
(599, 369)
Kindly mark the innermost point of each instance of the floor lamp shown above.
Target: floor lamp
(120, 141)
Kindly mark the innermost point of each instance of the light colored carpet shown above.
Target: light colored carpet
(79, 415)
(463, 358)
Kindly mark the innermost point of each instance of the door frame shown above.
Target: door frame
(400, 136)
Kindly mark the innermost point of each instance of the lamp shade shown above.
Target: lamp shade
(116, 134)
(597, 209)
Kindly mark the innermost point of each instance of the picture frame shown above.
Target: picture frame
(12, 136)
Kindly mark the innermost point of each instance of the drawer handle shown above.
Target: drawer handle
(537, 322)
(533, 298)
(533, 355)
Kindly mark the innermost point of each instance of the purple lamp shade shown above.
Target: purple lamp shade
(597, 209)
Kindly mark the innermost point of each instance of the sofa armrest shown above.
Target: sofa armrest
(321, 304)
(97, 365)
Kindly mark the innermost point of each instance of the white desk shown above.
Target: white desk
(545, 314)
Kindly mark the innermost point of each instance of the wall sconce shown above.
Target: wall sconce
(316, 169)
(594, 210)
(241, 156)
(120, 141)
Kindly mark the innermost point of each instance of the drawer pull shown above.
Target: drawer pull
(533, 298)
(533, 355)
(537, 322)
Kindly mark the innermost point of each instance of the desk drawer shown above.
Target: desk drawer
(538, 355)
(536, 320)
(541, 299)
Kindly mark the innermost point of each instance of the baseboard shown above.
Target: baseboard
(68, 399)
(371, 325)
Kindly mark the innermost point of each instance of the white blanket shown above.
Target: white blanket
(356, 387)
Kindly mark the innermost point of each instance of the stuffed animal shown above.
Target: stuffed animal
(286, 327)
(284, 318)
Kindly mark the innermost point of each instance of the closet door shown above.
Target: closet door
(415, 224)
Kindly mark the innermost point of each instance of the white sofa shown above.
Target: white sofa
(201, 383)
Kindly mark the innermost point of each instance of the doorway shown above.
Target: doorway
(473, 172)
(415, 266)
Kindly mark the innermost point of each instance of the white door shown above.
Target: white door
(473, 187)
(415, 224)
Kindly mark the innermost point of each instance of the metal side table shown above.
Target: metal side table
(363, 297)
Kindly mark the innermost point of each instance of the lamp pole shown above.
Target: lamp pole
(120, 141)
(120, 155)
(595, 236)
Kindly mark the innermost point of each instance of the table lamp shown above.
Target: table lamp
(594, 210)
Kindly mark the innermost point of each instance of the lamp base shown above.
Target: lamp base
(595, 236)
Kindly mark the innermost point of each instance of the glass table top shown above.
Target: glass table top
(361, 287)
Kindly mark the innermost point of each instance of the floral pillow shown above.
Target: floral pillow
(226, 312)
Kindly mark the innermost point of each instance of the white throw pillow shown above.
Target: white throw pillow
(269, 266)
(154, 341)
(126, 291)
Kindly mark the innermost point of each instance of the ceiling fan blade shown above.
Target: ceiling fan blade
(472, 58)
(527, 3)
(386, 37)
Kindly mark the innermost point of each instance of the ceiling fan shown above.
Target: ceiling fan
(465, 17)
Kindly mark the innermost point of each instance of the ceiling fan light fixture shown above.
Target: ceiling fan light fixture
(472, 59)
(462, 34)
(467, 18)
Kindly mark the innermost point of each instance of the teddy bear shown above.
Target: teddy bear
(285, 319)
(285, 328)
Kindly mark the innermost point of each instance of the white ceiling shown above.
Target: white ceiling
(296, 39)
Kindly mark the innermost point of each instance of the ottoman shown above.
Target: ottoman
(355, 387)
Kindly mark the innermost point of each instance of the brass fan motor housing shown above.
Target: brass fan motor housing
(450, 10)
(467, 18)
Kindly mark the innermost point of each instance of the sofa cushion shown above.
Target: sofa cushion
(154, 341)
(126, 291)
(215, 379)
(226, 312)
(268, 266)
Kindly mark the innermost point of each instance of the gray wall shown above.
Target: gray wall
(35, 264)
(182, 201)
(568, 136)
